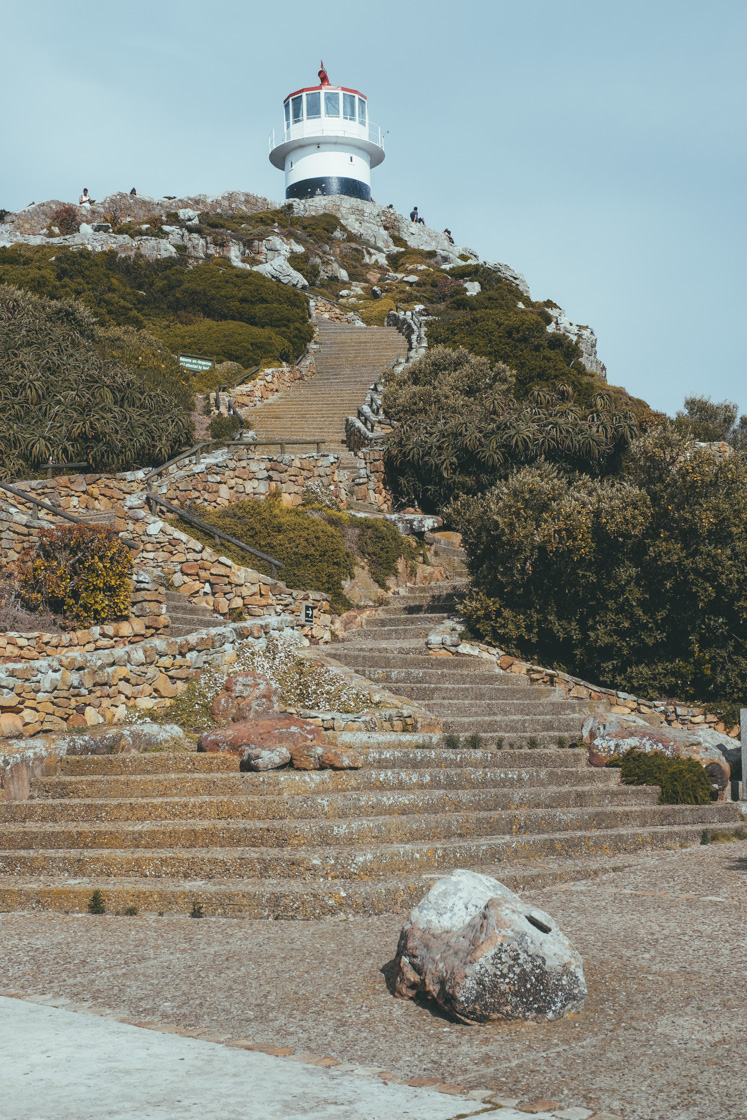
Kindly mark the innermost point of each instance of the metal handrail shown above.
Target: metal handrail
(238, 380)
(38, 504)
(218, 534)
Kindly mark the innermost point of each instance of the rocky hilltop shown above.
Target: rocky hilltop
(347, 252)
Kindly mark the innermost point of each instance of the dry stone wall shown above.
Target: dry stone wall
(444, 641)
(147, 618)
(79, 689)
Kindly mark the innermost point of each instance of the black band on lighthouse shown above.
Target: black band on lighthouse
(329, 184)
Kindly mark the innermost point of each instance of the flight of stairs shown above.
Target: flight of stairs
(348, 361)
(186, 616)
(166, 832)
(465, 693)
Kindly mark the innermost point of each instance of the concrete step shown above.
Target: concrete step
(338, 833)
(322, 782)
(417, 630)
(74, 811)
(149, 762)
(422, 620)
(462, 666)
(669, 825)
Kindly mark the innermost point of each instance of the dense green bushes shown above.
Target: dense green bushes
(71, 392)
(501, 324)
(460, 427)
(683, 781)
(638, 583)
(80, 573)
(259, 318)
(318, 547)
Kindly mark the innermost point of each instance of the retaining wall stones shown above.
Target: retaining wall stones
(79, 689)
(444, 641)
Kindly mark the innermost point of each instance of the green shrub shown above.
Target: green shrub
(381, 545)
(474, 742)
(460, 427)
(683, 781)
(161, 295)
(638, 583)
(96, 904)
(70, 392)
(226, 341)
(225, 427)
(452, 742)
(312, 551)
(79, 572)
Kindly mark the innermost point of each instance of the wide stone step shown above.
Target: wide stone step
(409, 662)
(386, 620)
(366, 636)
(290, 782)
(541, 730)
(425, 758)
(466, 691)
(670, 825)
(409, 828)
(487, 704)
(310, 806)
(149, 762)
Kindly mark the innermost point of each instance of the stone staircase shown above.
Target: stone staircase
(166, 832)
(186, 616)
(465, 693)
(348, 361)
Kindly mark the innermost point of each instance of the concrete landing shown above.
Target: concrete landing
(67, 1066)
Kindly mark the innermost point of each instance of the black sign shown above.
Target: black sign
(308, 612)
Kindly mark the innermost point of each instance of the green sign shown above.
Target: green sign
(196, 364)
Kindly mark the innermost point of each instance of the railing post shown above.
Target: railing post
(743, 729)
(282, 449)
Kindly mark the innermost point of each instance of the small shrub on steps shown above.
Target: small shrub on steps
(452, 742)
(96, 904)
(683, 781)
(474, 742)
(225, 427)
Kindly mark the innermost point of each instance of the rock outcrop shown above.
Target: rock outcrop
(482, 954)
(245, 696)
(611, 736)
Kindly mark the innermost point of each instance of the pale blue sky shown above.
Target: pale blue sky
(597, 147)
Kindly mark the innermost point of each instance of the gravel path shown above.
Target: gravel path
(662, 1036)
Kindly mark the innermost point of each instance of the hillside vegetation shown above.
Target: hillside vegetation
(73, 392)
(209, 308)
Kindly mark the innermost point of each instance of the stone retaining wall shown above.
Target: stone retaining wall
(268, 383)
(147, 618)
(444, 641)
(79, 689)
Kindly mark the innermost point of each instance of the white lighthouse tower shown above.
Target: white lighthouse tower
(327, 144)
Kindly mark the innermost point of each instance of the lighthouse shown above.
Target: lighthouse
(327, 144)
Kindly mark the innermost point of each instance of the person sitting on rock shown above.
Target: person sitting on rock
(447, 232)
(414, 216)
(133, 191)
(85, 199)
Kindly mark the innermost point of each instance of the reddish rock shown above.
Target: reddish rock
(340, 758)
(306, 756)
(245, 696)
(251, 735)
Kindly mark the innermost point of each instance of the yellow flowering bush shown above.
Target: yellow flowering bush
(79, 572)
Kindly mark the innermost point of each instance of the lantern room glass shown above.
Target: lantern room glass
(331, 104)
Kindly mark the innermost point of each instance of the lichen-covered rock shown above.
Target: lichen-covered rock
(306, 756)
(474, 947)
(611, 736)
(245, 695)
(258, 758)
(340, 758)
(247, 737)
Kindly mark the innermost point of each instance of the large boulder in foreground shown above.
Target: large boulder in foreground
(246, 695)
(250, 737)
(611, 736)
(474, 947)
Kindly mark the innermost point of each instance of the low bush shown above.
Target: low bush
(382, 545)
(226, 341)
(225, 427)
(683, 781)
(66, 219)
(79, 572)
(312, 551)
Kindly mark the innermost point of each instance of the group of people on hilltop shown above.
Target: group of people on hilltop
(415, 217)
(86, 200)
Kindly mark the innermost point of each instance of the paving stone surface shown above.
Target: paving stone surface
(662, 1036)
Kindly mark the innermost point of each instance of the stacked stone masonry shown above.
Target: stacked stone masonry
(444, 641)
